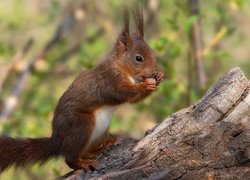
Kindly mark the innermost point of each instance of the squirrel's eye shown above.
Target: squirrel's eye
(138, 58)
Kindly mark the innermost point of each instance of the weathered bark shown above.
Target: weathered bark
(210, 140)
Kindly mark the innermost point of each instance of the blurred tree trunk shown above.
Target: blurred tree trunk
(210, 140)
(215, 46)
(196, 42)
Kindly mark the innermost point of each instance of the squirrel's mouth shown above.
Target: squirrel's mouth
(140, 78)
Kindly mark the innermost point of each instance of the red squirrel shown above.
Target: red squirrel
(83, 113)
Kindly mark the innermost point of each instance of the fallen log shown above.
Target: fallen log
(209, 140)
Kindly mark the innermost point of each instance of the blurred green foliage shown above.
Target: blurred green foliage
(168, 27)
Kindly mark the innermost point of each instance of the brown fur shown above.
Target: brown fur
(20, 152)
(74, 117)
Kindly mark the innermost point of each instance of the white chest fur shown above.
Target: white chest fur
(103, 118)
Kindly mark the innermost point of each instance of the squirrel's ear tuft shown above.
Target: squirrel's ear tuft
(125, 40)
(138, 18)
(126, 21)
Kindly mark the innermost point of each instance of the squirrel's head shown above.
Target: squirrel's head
(132, 53)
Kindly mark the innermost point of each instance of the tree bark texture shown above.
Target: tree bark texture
(209, 140)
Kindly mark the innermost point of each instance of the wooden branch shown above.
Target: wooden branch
(215, 40)
(209, 140)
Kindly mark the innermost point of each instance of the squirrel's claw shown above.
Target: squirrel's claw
(151, 87)
(88, 165)
(159, 78)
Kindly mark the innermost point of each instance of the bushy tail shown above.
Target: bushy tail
(20, 152)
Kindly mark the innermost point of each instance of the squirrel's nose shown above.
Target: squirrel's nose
(150, 72)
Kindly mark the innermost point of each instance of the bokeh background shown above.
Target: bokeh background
(45, 44)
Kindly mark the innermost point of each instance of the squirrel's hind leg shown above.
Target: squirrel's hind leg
(77, 141)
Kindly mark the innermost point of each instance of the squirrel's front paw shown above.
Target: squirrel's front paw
(149, 84)
(159, 77)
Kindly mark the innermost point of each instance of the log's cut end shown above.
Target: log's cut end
(209, 140)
